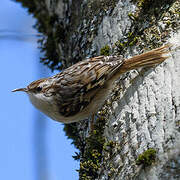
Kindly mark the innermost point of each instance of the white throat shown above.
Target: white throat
(41, 102)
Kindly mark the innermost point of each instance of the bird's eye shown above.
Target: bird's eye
(38, 89)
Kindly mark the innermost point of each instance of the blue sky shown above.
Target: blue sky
(33, 147)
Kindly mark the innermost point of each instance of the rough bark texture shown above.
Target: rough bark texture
(137, 132)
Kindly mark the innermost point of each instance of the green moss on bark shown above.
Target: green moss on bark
(91, 158)
(145, 32)
(146, 158)
(105, 50)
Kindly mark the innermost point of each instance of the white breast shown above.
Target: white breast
(44, 104)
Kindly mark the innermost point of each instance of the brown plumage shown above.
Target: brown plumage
(80, 90)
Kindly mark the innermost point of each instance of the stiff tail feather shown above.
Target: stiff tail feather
(148, 59)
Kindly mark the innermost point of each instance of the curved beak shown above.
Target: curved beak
(20, 89)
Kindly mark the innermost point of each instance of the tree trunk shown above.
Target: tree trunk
(136, 134)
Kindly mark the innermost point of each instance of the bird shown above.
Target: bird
(80, 91)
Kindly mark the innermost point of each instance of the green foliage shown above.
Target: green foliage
(146, 158)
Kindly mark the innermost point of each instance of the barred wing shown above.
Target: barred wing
(78, 84)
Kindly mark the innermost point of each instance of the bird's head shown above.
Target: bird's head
(39, 92)
(35, 87)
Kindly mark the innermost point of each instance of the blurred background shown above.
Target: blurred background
(33, 147)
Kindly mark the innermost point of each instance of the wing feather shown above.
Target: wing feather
(78, 84)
